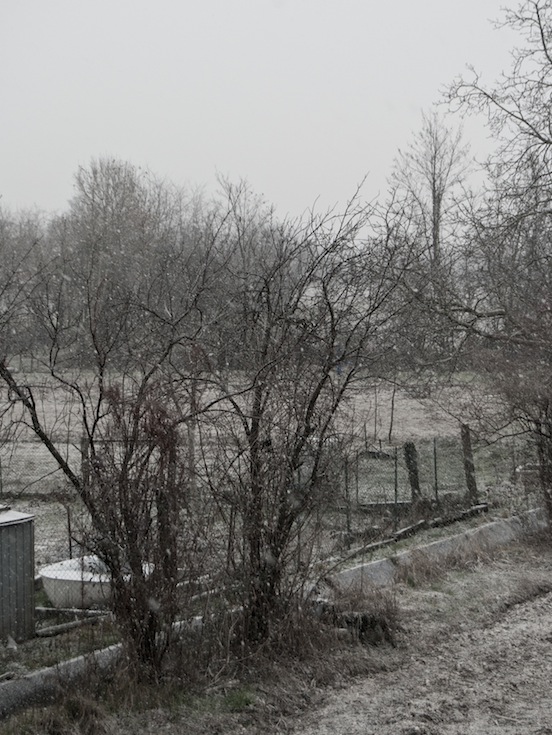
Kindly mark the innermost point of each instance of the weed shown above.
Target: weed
(370, 615)
(419, 569)
(424, 567)
(238, 700)
(75, 714)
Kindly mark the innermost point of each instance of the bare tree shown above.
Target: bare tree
(427, 179)
(214, 377)
(425, 209)
(508, 312)
(505, 307)
(308, 308)
(111, 314)
(518, 104)
(20, 240)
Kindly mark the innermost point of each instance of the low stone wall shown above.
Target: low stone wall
(384, 572)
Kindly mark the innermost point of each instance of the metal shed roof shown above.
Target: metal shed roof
(9, 517)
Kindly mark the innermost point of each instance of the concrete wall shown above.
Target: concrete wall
(384, 572)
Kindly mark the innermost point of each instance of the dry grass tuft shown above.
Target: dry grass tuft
(527, 589)
(362, 613)
(421, 568)
(74, 714)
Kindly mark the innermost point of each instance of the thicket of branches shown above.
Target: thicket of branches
(207, 348)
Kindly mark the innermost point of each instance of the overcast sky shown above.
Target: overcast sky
(302, 98)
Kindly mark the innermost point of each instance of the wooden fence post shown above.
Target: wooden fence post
(469, 466)
(396, 490)
(411, 459)
(435, 474)
(392, 417)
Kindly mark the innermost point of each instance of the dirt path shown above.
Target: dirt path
(475, 656)
(478, 659)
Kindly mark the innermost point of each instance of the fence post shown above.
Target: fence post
(392, 417)
(514, 462)
(469, 466)
(357, 470)
(191, 426)
(411, 459)
(349, 526)
(396, 493)
(436, 485)
(69, 530)
(375, 413)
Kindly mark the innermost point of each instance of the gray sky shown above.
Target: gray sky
(300, 97)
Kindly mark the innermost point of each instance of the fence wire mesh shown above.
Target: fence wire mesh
(367, 476)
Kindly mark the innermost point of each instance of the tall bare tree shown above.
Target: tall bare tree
(111, 313)
(518, 104)
(309, 305)
(424, 209)
(506, 304)
(427, 180)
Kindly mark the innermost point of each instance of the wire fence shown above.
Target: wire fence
(364, 482)
(380, 474)
(370, 474)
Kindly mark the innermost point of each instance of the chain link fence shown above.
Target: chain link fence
(366, 482)
(371, 474)
(381, 474)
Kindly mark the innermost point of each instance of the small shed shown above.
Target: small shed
(16, 574)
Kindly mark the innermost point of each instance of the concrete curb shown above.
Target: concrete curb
(45, 685)
(384, 572)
